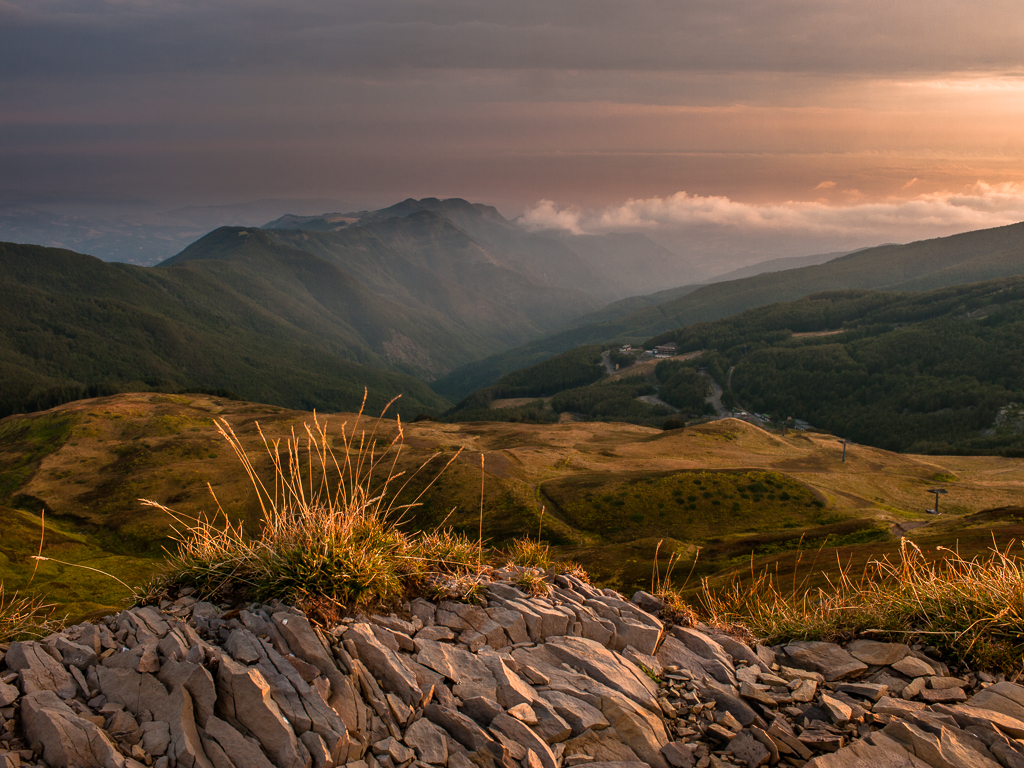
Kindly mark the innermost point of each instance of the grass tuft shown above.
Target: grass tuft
(971, 610)
(529, 553)
(331, 530)
(24, 617)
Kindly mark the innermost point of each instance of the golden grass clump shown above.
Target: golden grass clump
(23, 617)
(330, 529)
(971, 610)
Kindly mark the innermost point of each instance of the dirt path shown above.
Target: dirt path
(715, 398)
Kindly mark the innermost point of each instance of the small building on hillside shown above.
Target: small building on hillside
(666, 350)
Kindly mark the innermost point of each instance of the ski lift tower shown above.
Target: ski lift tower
(937, 492)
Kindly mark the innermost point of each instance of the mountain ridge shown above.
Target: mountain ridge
(958, 259)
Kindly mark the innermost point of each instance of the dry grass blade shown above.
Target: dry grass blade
(24, 617)
(972, 610)
(330, 527)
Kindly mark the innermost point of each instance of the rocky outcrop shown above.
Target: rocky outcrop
(581, 677)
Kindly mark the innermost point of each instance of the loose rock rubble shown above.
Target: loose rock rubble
(581, 677)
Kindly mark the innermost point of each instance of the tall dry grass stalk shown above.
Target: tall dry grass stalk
(330, 527)
(970, 609)
(24, 617)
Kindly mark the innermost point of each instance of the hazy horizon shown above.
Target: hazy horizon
(731, 130)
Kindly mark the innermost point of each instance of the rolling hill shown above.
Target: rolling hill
(611, 492)
(920, 266)
(932, 372)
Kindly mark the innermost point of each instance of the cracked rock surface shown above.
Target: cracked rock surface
(580, 677)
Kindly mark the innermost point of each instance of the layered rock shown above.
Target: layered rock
(581, 677)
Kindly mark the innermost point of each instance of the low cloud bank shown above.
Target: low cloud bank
(933, 214)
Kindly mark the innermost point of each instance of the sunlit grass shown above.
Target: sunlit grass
(970, 609)
(23, 617)
(330, 530)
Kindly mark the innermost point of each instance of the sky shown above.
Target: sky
(742, 127)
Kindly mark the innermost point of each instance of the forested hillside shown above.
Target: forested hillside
(933, 372)
(920, 266)
(72, 326)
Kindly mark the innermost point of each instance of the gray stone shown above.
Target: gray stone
(674, 653)
(629, 632)
(396, 641)
(605, 745)
(456, 664)
(966, 715)
(579, 715)
(197, 681)
(395, 624)
(524, 713)
(242, 751)
(245, 697)
(481, 709)
(875, 653)
(383, 663)
(840, 712)
(473, 640)
(429, 742)
(424, 610)
(870, 691)
(75, 654)
(643, 731)
(946, 750)
(542, 621)
(748, 749)
(303, 640)
(144, 694)
(1007, 756)
(911, 666)
(601, 664)
(1007, 698)
(156, 737)
(647, 601)
(943, 695)
(679, 755)
(890, 706)
(459, 727)
(8, 694)
(737, 650)
(394, 749)
(38, 670)
(69, 741)
(435, 633)
(550, 725)
(512, 622)
(704, 647)
(860, 754)
(940, 683)
(318, 751)
(243, 647)
(511, 689)
(828, 659)
(522, 735)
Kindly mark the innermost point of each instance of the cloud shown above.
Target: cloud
(914, 36)
(826, 185)
(982, 206)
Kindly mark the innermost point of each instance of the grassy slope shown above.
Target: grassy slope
(920, 266)
(89, 462)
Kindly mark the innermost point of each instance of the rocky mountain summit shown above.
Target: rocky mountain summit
(578, 677)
